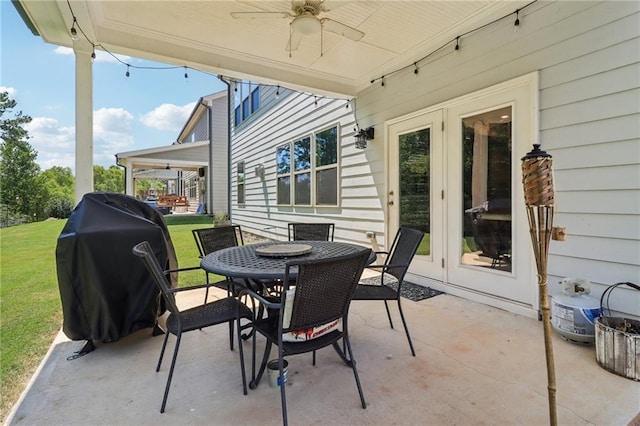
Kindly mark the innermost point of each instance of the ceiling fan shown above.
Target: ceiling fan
(305, 22)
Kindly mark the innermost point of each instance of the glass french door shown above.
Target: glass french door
(414, 197)
(454, 173)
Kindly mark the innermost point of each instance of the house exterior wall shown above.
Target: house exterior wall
(588, 63)
(219, 157)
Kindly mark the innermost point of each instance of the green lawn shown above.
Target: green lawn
(30, 309)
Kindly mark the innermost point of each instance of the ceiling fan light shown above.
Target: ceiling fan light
(306, 25)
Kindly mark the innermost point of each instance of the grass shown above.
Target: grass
(30, 308)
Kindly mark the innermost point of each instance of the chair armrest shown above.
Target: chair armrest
(259, 298)
(191, 287)
(191, 268)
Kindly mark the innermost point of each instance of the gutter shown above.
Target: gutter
(228, 144)
(125, 174)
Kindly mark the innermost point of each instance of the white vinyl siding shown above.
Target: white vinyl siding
(588, 63)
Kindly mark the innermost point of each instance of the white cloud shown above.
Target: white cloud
(101, 55)
(55, 143)
(10, 90)
(168, 116)
(64, 51)
(112, 133)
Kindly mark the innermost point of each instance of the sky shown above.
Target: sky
(145, 110)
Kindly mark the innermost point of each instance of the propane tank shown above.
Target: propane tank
(573, 313)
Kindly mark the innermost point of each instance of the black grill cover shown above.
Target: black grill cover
(106, 291)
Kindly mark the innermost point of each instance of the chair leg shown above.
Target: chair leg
(206, 294)
(388, 313)
(355, 370)
(406, 329)
(231, 335)
(283, 395)
(241, 351)
(164, 345)
(173, 364)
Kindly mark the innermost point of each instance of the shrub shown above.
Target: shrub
(59, 207)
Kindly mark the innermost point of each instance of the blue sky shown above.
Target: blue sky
(145, 110)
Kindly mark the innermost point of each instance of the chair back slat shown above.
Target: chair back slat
(311, 231)
(324, 288)
(209, 240)
(404, 247)
(145, 252)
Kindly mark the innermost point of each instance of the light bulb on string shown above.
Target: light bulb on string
(93, 54)
(457, 48)
(278, 93)
(382, 81)
(127, 74)
(186, 76)
(415, 71)
(516, 24)
(73, 31)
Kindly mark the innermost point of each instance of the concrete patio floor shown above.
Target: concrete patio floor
(474, 365)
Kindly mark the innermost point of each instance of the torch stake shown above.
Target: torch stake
(539, 197)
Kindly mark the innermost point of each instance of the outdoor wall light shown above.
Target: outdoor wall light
(363, 136)
(259, 170)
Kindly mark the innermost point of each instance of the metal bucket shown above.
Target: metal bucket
(618, 346)
(273, 372)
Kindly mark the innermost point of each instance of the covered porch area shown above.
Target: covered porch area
(474, 364)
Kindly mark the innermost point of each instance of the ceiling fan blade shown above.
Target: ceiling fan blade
(294, 43)
(259, 15)
(341, 29)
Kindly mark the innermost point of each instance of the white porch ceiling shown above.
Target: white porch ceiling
(203, 35)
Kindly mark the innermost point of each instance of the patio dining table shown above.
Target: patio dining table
(267, 261)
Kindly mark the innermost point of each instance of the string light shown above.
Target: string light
(93, 54)
(382, 81)
(457, 45)
(315, 101)
(278, 93)
(186, 76)
(127, 74)
(73, 31)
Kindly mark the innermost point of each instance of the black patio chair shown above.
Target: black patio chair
(311, 231)
(226, 310)
(322, 295)
(404, 247)
(209, 240)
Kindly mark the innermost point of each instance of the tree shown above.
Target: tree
(108, 180)
(60, 182)
(22, 187)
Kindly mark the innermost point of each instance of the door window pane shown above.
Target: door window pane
(486, 173)
(414, 168)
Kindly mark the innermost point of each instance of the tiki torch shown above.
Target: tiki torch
(537, 179)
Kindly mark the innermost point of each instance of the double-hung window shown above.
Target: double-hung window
(307, 170)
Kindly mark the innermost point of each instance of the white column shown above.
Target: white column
(130, 187)
(84, 119)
